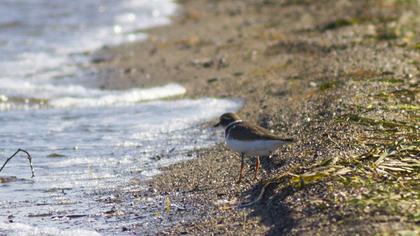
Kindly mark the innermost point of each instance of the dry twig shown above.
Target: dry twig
(29, 158)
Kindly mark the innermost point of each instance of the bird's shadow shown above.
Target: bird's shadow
(270, 206)
(269, 164)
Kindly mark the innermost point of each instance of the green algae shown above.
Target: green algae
(326, 85)
(383, 179)
(338, 23)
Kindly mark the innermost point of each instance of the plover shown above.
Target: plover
(249, 139)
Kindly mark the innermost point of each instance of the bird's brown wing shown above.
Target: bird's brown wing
(247, 131)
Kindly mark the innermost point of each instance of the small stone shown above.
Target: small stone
(222, 63)
(204, 62)
(212, 80)
(100, 59)
(129, 70)
(387, 73)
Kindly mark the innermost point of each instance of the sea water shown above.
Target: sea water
(83, 139)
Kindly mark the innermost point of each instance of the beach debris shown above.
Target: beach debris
(113, 212)
(40, 214)
(193, 15)
(171, 150)
(226, 204)
(73, 216)
(28, 156)
(259, 197)
(222, 62)
(204, 62)
(156, 157)
(212, 80)
(167, 205)
(191, 41)
(54, 155)
(129, 70)
(135, 181)
(339, 23)
(7, 179)
(97, 59)
(238, 73)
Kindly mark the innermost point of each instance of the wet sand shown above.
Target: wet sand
(311, 70)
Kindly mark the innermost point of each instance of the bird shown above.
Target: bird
(249, 139)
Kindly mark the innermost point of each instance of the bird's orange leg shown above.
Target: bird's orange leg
(257, 167)
(241, 172)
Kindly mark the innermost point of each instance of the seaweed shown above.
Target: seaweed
(338, 23)
(383, 177)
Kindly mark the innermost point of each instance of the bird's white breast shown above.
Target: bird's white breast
(253, 147)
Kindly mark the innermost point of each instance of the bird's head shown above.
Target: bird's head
(226, 119)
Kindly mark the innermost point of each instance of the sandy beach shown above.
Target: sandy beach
(340, 77)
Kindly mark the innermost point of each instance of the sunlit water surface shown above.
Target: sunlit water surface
(77, 152)
(83, 139)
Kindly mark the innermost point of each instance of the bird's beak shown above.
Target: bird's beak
(218, 123)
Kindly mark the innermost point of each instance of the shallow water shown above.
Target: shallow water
(84, 150)
(43, 45)
(84, 140)
(40, 39)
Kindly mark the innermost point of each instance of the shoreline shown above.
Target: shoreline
(302, 72)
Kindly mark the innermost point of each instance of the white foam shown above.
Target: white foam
(31, 63)
(33, 89)
(19, 229)
(63, 96)
(105, 98)
(114, 144)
